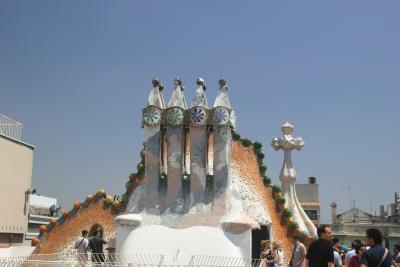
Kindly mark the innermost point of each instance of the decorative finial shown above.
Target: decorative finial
(222, 82)
(178, 81)
(156, 82)
(200, 81)
(287, 128)
(161, 87)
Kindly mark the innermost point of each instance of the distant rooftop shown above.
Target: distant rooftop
(10, 127)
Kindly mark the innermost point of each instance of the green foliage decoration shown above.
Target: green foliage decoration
(266, 180)
(247, 142)
(263, 168)
(236, 136)
(257, 145)
(293, 225)
(276, 189)
(281, 200)
(287, 213)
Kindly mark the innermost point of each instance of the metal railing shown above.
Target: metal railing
(10, 127)
(218, 261)
(123, 260)
(354, 228)
(90, 259)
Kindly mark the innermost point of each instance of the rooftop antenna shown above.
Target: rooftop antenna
(349, 188)
(370, 205)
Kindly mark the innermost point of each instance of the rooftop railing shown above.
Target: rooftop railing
(10, 127)
(126, 260)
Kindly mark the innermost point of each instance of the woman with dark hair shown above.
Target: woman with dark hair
(355, 261)
(96, 243)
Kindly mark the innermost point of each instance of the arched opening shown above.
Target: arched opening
(256, 236)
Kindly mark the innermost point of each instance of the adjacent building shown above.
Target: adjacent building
(40, 212)
(16, 158)
(308, 196)
(352, 224)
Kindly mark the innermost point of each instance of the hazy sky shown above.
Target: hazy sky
(77, 73)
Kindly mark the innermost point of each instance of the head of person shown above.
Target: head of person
(373, 236)
(324, 232)
(84, 233)
(295, 240)
(265, 243)
(276, 246)
(396, 249)
(355, 244)
(360, 248)
(335, 242)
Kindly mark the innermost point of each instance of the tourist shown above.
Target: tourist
(278, 255)
(377, 255)
(266, 255)
(337, 259)
(96, 243)
(396, 255)
(352, 251)
(298, 254)
(81, 246)
(355, 261)
(320, 252)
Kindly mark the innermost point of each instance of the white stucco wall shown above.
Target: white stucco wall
(16, 160)
(178, 245)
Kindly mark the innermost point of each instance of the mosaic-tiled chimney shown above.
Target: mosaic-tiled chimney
(178, 182)
(151, 124)
(175, 144)
(198, 144)
(188, 191)
(222, 146)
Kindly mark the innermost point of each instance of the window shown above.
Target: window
(312, 214)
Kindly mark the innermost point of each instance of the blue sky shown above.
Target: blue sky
(77, 73)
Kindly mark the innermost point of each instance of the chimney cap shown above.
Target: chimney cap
(156, 81)
(333, 205)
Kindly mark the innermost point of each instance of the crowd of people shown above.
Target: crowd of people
(328, 252)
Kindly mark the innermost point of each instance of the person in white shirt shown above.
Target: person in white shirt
(81, 246)
(298, 254)
(278, 254)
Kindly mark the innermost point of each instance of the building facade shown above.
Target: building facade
(353, 224)
(16, 158)
(308, 195)
(39, 214)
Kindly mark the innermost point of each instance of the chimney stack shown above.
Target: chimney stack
(334, 205)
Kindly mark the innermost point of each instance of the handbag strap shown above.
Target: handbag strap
(80, 243)
(383, 258)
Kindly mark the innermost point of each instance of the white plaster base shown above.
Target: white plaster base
(178, 245)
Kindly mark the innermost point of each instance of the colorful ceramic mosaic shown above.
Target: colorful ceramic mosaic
(221, 116)
(175, 116)
(151, 116)
(198, 116)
